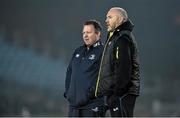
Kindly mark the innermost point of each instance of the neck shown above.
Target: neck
(87, 48)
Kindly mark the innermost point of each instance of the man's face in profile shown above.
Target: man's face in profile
(113, 19)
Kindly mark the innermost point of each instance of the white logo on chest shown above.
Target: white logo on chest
(92, 57)
(77, 55)
(95, 109)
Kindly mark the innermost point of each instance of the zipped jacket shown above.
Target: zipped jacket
(119, 69)
(81, 76)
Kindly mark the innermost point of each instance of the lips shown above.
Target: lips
(86, 39)
(107, 25)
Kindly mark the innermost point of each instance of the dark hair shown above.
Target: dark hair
(95, 23)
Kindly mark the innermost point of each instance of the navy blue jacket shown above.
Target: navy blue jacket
(81, 76)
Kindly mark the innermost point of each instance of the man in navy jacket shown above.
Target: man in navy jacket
(82, 72)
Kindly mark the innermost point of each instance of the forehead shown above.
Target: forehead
(112, 12)
(89, 27)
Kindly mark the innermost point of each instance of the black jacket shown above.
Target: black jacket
(119, 69)
(81, 76)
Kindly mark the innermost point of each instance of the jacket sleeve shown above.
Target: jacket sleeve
(122, 64)
(68, 77)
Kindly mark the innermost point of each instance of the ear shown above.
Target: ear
(99, 34)
(121, 19)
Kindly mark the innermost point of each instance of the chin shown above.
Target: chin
(109, 29)
(87, 44)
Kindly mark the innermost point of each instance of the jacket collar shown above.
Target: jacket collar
(128, 25)
(96, 44)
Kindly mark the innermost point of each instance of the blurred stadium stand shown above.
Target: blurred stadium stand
(29, 80)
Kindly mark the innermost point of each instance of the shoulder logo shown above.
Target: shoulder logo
(96, 44)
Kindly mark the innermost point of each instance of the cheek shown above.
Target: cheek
(115, 23)
(112, 22)
(93, 38)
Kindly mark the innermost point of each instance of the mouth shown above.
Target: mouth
(86, 39)
(107, 25)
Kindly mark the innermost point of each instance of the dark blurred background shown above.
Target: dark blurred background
(37, 39)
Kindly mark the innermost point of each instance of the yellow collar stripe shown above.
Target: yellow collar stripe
(110, 34)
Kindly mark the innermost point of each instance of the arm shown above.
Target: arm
(122, 64)
(68, 77)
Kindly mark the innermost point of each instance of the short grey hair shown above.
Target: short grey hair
(122, 12)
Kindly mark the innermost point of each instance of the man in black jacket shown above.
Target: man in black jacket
(118, 77)
(82, 72)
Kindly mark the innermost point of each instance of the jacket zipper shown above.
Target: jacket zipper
(97, 83)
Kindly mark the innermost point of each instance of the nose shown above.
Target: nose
(84, 35)
(106, 20)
